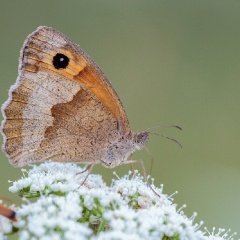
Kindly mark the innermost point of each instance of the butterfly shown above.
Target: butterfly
(63, 108)
(8, 213)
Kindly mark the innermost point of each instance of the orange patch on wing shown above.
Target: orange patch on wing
(90, 79)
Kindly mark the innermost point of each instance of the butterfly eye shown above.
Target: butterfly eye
(60, 61)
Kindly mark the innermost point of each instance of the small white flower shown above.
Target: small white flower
(117, 235)
(5, 225)
(220, 234)
(144, 202)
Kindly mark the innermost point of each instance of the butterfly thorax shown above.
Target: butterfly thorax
(119, 149)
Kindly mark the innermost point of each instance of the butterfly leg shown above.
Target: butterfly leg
(89, 169)
(131, 165)
(142, 164)
(144, 173)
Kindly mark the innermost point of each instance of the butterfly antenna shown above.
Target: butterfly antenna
(172, 139)
(152, 159)
(169, 126)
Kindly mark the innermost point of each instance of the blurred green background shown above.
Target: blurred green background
(171, 62)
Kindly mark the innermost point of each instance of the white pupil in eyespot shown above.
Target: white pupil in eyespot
(61, 59)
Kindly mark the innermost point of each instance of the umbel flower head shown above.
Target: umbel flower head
(128, 209)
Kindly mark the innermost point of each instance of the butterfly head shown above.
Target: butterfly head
(119, 149)
(140, 139)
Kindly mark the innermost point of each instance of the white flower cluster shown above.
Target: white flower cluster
(5, 227)
(52, 177)
(129, 209)
(53, 217)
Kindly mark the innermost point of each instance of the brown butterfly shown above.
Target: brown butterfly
(8, 213)
(64, 109)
